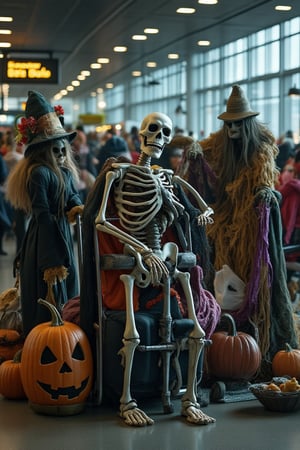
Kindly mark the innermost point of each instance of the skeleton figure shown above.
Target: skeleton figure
(146, 206)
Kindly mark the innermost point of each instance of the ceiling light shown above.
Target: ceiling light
(283, 8)
(5, 31)
(208, 2)
(6, 19)
(103, 60)
(136, 73)
(75, 83)
(120, 49)
(151, 64)
(151, 30)
(85, 73)
(109, 85)
(100, 90)
(95, 66)
(63, 92)
(185, 10)
(294, 92)
(70, 88)
(81, 77)
(5, 44)
(203, 43)
(173, 56)
(1, 55)
(139, 37)
(93, 94)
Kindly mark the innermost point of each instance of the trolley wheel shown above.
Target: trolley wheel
(217, 392)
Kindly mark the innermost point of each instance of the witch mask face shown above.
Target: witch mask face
(234, 129)
(59, 151)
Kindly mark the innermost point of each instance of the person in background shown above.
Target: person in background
(115, 146)
(17, 216)
(42, 185)
(290, 207)
(5, 223)
(86, 163)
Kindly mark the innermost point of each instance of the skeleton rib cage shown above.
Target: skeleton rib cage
(140, 198)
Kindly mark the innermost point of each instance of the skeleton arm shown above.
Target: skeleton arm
(206, 211)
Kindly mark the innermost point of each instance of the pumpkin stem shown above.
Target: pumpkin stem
(288, 348)
(55, 316)
(17, 357)
(231, 324)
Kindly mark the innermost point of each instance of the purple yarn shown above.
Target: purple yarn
(261, 258)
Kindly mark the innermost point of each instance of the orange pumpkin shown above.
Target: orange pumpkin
(287, 362)
(233, 355)
(57, 367)
(10, 342)
(10, 378)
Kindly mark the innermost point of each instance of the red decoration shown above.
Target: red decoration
(59, 110)
(26, 130)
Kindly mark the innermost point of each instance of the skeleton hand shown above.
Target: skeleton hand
(194, 150)
(205, 218)
(156, 266)
(264, 195)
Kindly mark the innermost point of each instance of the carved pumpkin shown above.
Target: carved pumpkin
(287, 362)
(10, 378)
(57, 366)
(233, 355)
(10, 342)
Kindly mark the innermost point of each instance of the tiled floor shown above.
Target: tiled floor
(239, 426)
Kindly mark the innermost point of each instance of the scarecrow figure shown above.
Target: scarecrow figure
(234, 170)
(143, 199)
(42, 185)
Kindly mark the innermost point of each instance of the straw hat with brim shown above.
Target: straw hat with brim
(48, 124)
(238, 106)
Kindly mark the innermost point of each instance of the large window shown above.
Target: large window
(266, 64)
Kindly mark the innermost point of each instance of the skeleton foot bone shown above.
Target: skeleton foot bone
(193, 414)
(133, 416)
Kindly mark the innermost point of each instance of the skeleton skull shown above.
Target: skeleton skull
(155, 131)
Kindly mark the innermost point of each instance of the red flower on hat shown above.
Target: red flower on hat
(59, 110)
(26, 130)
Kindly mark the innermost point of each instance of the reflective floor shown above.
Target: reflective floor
(239, 426)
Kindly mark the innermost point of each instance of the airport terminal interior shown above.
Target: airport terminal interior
(102, 67)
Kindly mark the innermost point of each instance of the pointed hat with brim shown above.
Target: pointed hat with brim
(238, 106)
(47, 124)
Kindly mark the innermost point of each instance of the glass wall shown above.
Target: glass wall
(266, 64)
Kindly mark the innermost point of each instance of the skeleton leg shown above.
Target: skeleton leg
(190, 408)
(129, 411)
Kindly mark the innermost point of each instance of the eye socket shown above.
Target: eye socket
(153, 127)
(78, 352)
(237, 124)
(166, 131)
(48, 356)
(57, 150)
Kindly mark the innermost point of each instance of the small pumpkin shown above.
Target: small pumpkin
(233, 355)
(57, 366)
(11, 386)
(10, 342)
(287, 362)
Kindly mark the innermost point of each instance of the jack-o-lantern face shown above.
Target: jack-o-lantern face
(57, 366)
(70, 375)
